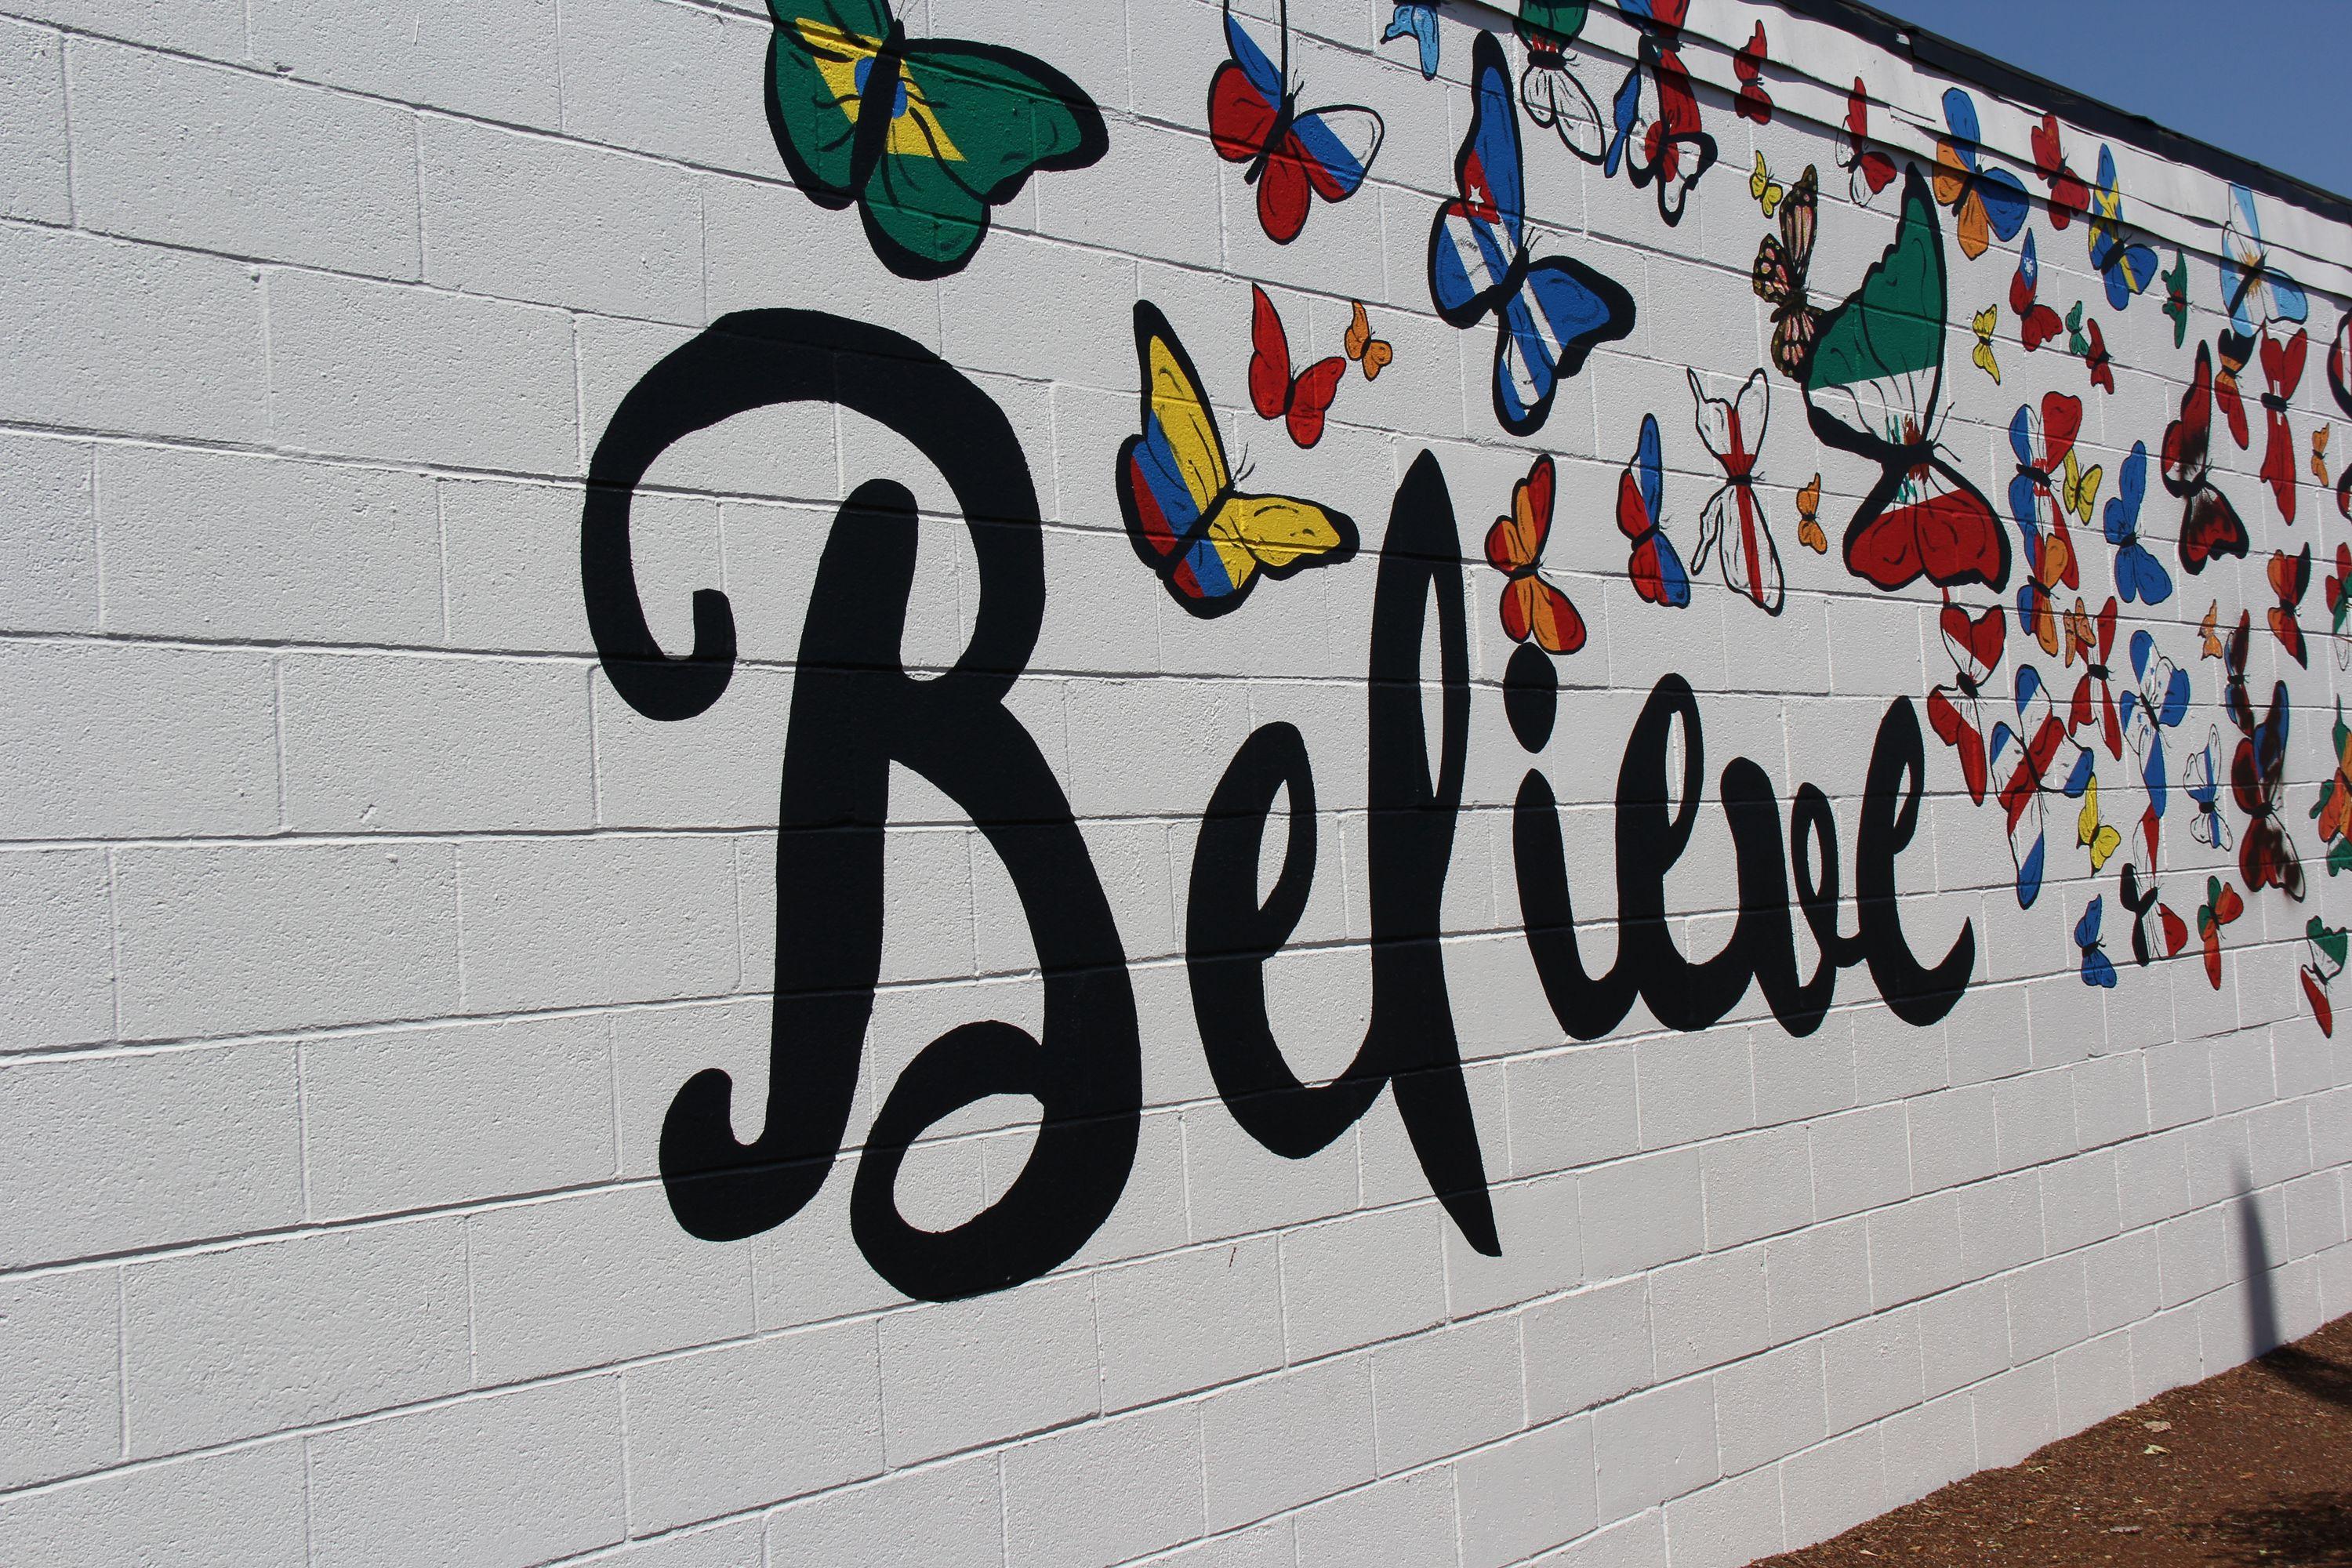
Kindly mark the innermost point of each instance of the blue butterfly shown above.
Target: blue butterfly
(1987, 203)
(2129, 268)
(2098, 969)
(1419, 23)
(2139, 576)
(1549, 314)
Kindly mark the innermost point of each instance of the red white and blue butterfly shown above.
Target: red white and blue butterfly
(1986, 204)
(2254, 292)
(2201, 776)
(2170, 931)
(1294, 155)
(1651, 559)
(2127, 266)
(2037, 323)
(1657, 136)
(1549, 314)
(2098, 969)
(1733, 522)
(2139, 576)
(2031, 752)
(2157, 701)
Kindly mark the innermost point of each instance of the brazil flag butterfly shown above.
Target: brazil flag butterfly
(925, 135)
(1294, 156)
(1871, 388)
(1549, 314)
(1208, 542)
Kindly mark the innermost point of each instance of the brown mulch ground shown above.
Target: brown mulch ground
(2251, 1466)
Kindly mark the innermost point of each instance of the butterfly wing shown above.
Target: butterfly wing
(1269, 365)
(1277, 535)
(814, 62)
(1477, 237)
(1561, 311)
(1310, 399)
(1533, 608)
(1336, 146)
(1555, 98)
(1245, 96)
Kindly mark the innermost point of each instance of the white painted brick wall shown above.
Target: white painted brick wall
(359, 933)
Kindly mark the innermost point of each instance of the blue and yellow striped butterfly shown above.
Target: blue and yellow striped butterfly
(1208, 542)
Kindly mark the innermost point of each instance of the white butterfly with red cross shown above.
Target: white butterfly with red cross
(1732, 525)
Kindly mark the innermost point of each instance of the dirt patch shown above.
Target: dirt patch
(2254, 1466)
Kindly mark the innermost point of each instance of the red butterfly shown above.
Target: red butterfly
(2233, 352)
(2290, 577)
(1293, 156)
(2282, 368)
(2221, 906)
(2102, 368)
(2070, 198)
(2094, 650)
(2210, 525)
(1531, 606)
(1747, 65)
(1873, 171)
(1299, 401)
(2339, 382)
(2266, 855)
(2036, 323)
(1954, 711)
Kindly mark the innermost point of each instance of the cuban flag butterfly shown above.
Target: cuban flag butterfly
(2339, 384)
(1650, 559)
(1300, 401)
(1956, 711)
(2282, 369)
(2254, 292)
(2098, 969)
(1549, 314)
(1531, 606)
(2069, 197)
(2325, 947)
(2210, 525)
(1986, 204)
(2201, 777)
(2031, 752)
(1555, 99)
(1873, 170)
(2128, 267)
(2172, 931)
(2036, 323)
(1206, 542)
(2157, 702)
(1657, 136)
(1733, 523)
(1294, 155)
(2266, 855)
(2140, 577)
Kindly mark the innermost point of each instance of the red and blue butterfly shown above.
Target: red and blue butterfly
(1294, 155)
(2039, 741)
(1652, 561)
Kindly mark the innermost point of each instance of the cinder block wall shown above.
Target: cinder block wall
(371, 897)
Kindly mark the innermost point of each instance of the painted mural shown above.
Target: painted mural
(2132, 629)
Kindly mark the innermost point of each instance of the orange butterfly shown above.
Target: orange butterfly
(1373, 353)
(1531, 606)
(2212, 642)
(2221, 906)
(1809, 521)
(2290, 577)
(2319, 453)
(2081, 636)
(2035, 607)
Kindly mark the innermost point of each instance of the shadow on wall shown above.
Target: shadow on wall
(2314, 1375)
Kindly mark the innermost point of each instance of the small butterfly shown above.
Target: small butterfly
(2101, 838)
(2339, 604)
(2235, 699)
(2069, 196)
(2282, 370)
(2210, 525)
(1418, 23)
(1782, 266)
(2176, 298)
(2098, 362)
(2234, 353)
(2266, 855)
(2036, 323)
(2139, 575)
(2212, 638)
(2081, 494)
(1299, 401)
(2126, 267)
(1374, 354)
(2201, 778)
(1531, 606)
(1207, 542)
(2325, 948)
(2092, 640)
(2098, 969)
(2157, 701)
(2171, 930)
(1808, 518)
(1956, 711)
(1873, 170)
(2076, 343)
(1294, 155)
(1733, 525)
(2221, 906)
(1761, 185)
(1984, 321)
(1650, 560)
(1747, 65)
(2040, 741)
(1986, 204)
(2319, 454)
(2290, 577)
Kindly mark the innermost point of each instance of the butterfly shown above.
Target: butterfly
(1808, 518)
(2036, 323)
(2339, 385)
(1554, 97)
(2212, 641)
(1374, 354)
(2098, 969)
(2039, 741)
(2049, 564)
(2282, 369)
(2254, 292)
(2094, 696)
(1657, 135)
(1871, 386)
(1299, 401)
(924, 135)
(2220, 906)
(2042, 443)
(1732, 526)
(2210, 525)
(2170, 931)
(2069, 197)
(2139, 576)
(2235, 353)
(1747, 65)
(2325, 948)
(2319, 453)
(2157, 701)
(1984, 321)
(2333, 810)
(2093, 355)
(1783, 263)
(1293, 155)
(2081, 491)
(2266, 855)
(1986, 204)
(2176, 298)
(1532, 608)
(1418, 23)
(2201, 778)
(2339, 603)
(2290, 577)
(2100, 837)
(1873, 170)
(1761, 185)
(1650, 560)
(1207, 542)
(2235, 700)
(1549, 314)
(1955, 712)
(2126, 267)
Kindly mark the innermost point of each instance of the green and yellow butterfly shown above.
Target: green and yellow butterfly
(924, 135)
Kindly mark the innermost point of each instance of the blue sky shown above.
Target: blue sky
(2264, 79)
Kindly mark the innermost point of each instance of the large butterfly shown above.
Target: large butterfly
(2139, 575)
(2201, 778)
(2127, 266)
(2289, 580)
(1555, 99)
(1294, 155)
(1956, 711)
(925, 135)
(1781, 270)
(1549, 314)
(2339, 384)
(2221, 906)
(2254, 292)
(1207, 542)
(2037, 323)
(2210, 525)
(1300, 401)
(2171, 931)
(1871, 388)
(1733, 523)
(1873, 170)
(1657, 136)
(2266, 855)
(2069, 197)
(2039, 741)
(2282, 370)
(1650, 560)
(2157, 701)
(2098, 969)
(1531, 606)
(1987, 203)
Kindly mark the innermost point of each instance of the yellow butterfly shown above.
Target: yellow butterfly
(2319, 452)
(1766, 190)
(2082, 486)
(1808, 518)
(1985, 321)
(1373, 353)
(1207, 540)
(2100, 838)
